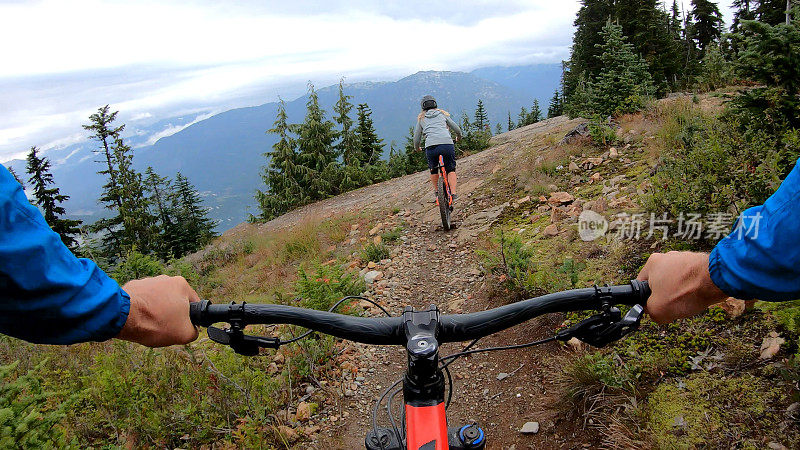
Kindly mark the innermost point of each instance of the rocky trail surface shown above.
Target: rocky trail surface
(502, 391)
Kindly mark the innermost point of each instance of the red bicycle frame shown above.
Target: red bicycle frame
(426, 427)
(443, 174)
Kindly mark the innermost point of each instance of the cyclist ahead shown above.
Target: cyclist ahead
(435, 124)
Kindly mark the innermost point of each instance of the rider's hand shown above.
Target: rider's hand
(681, 285)
(159, 314)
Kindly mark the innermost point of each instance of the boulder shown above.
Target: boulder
(560, 198)
(551, 230)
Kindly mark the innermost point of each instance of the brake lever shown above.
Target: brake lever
(241, 343)
(602, 329)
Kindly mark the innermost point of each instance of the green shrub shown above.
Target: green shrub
(28, 416)
(711, 167)
(326, 285)
(375, 252)
(392, 235)
(602, 132)
(136, 266)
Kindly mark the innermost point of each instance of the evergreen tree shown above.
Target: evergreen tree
(522, 118)
(132, 226)
(104, 131)
(624, 83)
(510, 122)
(370, 146)
(16, 177)
(481, 118)
(536, 113)
(556, 108)
(398, 163)
(415, 161)
(348, 145)
(772, 12)
(159, 190)
(716, 71)
(707, 23)
(648, 27)
(49, 199)
(316, 151)
(138, 224)
(284, 173)
(744, 11)
(498, 129)
(196, 229)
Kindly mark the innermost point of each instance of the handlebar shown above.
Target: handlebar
(453, 328)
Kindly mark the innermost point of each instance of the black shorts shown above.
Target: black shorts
(448, 152)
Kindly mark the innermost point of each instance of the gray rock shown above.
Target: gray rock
(530, 428)
(370, 276)
(502, 376)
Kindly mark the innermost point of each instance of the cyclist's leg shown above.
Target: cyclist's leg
(433, 163)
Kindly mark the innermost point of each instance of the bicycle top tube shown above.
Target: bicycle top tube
(390, 330)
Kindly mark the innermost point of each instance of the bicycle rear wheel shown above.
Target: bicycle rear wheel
(444, 204)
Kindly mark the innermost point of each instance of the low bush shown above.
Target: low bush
(375, 252)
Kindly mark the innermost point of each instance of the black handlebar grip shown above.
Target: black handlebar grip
(643, 289)
(197, 312)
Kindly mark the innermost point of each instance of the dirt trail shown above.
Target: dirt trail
(430, 266)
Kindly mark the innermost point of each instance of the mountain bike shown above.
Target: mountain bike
(423, 425)
(444, 196)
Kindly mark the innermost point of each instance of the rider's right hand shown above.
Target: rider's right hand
(681, 286)
(159, 314)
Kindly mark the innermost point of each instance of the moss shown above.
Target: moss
(709, 408)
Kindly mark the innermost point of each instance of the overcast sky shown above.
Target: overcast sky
(60, 60)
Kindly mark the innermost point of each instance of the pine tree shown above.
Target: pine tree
(398, 163)
(556, 108)
(16, 177)
(138, 224)
(132, 226)
(510, 122)
(522, 118)
(196, 229)
(536, 113)
(498, 129)
(347, 147)
(49, 199)
(284, 173)
(481, 118)
(159, 190)
(316, 151)
(624, 83)
(415, 161)
(648, 28)
(744, 11)
(370, 146)
(707, 23)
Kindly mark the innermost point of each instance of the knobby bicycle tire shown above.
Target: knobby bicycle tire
(444, 206)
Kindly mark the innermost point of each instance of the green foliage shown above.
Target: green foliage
(392, 235)
(572, 271)
(787, 314)
(49, 199)
(716, 72)
(709, 166)
(481, 122)
(528, 118)
(135, 266)
(324, 286)
(706, 26)
(556, 107)
(375, 252)
(518, 269)
(370, 146)
(602, 132)
(28, 416)
(284, 173)
(586, 381)
(474, 138)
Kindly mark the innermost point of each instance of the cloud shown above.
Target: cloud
(149, 59)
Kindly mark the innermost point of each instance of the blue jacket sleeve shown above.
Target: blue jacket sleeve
(47, 295)
(761, 257)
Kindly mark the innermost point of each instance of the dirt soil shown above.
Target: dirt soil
(431, 266)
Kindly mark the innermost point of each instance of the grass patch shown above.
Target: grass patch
(375, 252)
